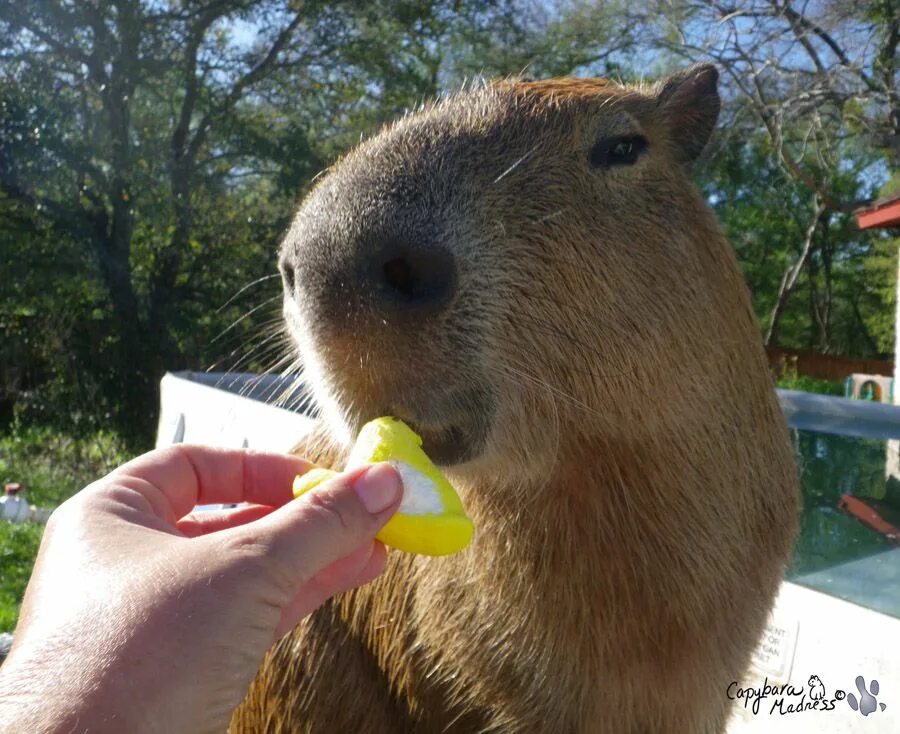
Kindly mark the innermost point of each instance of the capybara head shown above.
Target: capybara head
(516, 270)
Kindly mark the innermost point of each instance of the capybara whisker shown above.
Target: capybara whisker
(245, 316)
(295, 393)
(514, 166)
(245, 352)
(243, 289)
(241, 340)
(262, 353)
(508, 371)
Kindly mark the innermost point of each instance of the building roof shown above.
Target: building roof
(882, 213)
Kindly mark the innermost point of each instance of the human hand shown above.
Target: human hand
(142, 617)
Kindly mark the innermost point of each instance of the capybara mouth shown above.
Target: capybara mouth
(448, 446)
(450, 435)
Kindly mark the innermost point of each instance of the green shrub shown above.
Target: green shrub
(788, 378)
(810, 384)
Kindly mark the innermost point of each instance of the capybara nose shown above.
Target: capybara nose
(381, 280)
(414, 281)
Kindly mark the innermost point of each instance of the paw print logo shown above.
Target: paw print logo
(867, 702)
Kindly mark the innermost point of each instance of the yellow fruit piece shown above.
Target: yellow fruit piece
(313, 478)
(431, 519)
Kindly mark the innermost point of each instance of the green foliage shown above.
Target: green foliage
(879, 275)
(119, 238)
(843, 300)
(548, 39)
(789, 378)
(878, 290)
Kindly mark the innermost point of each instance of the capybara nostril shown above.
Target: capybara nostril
(288, 275)
(415, 280)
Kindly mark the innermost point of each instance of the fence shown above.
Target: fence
(825, 366)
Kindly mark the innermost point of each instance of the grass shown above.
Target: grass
(51, 468)
(18, 549)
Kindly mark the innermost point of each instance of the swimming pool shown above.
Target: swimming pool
(851, 502)
(836, 614)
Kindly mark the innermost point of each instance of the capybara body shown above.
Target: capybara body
(526, 275)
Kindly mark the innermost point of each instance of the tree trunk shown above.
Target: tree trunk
(133, 374)
(789, 279)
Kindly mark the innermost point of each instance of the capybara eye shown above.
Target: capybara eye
(619, 151)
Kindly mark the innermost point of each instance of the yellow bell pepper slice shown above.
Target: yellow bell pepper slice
(430, 520)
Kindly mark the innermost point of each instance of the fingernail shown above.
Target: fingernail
(378, 487)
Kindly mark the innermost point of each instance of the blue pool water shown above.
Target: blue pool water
(836, 552)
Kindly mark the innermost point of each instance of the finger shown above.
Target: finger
(297, 541)
(212, 521)
(182, 476)
(357, 569)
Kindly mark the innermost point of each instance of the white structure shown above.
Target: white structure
(892, 466)
(210, 409)
(877, 388)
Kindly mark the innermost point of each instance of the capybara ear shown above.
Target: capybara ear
(689, 102)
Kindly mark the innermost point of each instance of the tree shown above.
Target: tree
(144, 137)
(819, 82)
(113, 126)
(819, 78)
(812, 275)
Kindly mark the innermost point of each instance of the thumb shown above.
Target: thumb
(305, 536)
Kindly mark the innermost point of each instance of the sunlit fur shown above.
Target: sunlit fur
(635, 500)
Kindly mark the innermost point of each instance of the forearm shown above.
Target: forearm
(38, 698)
(103, 684)
(66, 683)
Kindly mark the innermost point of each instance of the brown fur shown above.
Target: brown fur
(634, 495)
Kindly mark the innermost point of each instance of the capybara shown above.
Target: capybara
(525, 273)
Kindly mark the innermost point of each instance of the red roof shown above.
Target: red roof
(882, 213)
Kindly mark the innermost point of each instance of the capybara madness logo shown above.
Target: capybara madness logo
(786, 698)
